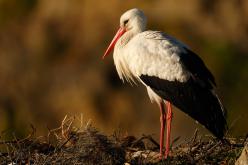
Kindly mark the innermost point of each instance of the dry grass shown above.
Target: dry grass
(85, 145)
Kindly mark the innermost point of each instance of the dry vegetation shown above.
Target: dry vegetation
(85, 145)
(50, 61)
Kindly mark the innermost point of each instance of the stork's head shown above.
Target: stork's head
(132, 21)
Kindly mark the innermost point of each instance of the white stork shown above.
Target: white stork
(171, 72)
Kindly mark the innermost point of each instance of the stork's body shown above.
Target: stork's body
(171, 72)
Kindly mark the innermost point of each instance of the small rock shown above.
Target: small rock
(127, 164)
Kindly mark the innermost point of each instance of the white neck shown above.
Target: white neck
(136, 25)
(119, 57)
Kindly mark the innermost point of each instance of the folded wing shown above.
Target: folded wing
(178, 75)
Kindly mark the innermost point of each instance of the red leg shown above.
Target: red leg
(162, 124)
(168, 128)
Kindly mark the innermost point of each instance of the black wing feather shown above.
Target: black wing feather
(198, 69)
(193, 99)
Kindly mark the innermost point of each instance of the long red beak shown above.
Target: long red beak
(111, 46)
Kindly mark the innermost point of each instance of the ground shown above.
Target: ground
(85, 145)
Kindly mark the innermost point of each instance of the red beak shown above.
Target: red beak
(111, 46)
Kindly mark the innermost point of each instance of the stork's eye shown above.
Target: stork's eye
(125, 22)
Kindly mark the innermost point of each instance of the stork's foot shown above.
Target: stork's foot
(163, 156)
(166, 155)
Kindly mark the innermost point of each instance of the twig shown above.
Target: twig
(88, 124)
(132, 149)
(149, 137)
(81, 121)
(68, 139)
(175, 140)
(208, 151)
(16, 141)
(192, 142)
(153, 141)
(138, 140)
(245, 139)
(194, 136)
(62, 126)
(232, 124)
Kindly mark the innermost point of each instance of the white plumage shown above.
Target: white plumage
(150, 53)
(144, 54)
(169, 70)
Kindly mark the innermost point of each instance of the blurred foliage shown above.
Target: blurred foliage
(50, 61)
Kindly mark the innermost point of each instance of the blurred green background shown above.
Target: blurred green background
(50, 62)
